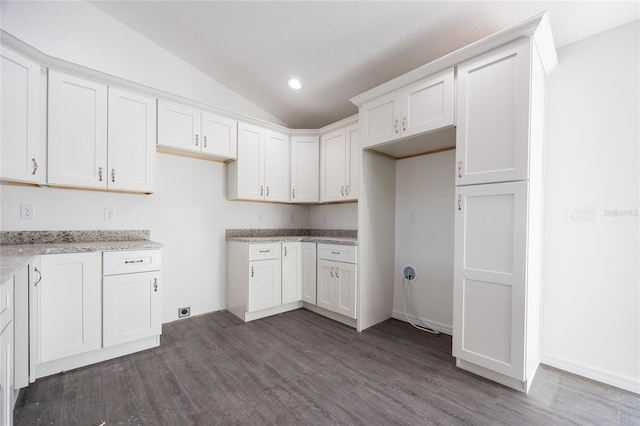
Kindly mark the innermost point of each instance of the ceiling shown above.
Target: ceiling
(337, 49)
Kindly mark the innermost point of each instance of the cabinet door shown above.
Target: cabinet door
(178, 126)
(345, 298)
(219, 135)
(250, 163)
(132, 141)
(291, 272)
(265, 285)
(309, 272)
(77, 131)
(276, 167)
(131, 307)
(489, 276)
(354, 163)
(6, 374)
(326, 284)
(305, 169)
(380, 119)
(69, 303)
(333, 166)
(493, 106)
(427, 104)
(21, 140)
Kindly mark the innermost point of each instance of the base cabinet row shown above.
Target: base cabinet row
(266, 279)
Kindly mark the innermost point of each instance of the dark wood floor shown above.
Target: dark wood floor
(301, 368)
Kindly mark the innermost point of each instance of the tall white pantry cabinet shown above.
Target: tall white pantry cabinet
(498, 229)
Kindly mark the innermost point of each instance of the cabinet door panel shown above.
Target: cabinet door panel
(428, 104)
(6, 376)
(265, 288)
(309, 272)
(492, 140)
(333, 164)
(276, 167)
(219, 135)
(70, 305)
(131, 307)
(345, 301)
(326, 285)
(305, 169)
(291, 272)
(380, 119)
(354, 162)
(132, 141)
(250, 172)
(21, 141)
(178, 126)
(77, 131)
(489, 276)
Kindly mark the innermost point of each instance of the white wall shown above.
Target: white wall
(188, 214)
(591, 281)
(425, 214)
(80, 33)
(334, 216)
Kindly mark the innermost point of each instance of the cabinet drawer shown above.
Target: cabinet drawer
(337, 252)
(264, 251)
(126, 262)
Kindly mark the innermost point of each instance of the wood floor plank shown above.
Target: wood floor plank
(300, 368)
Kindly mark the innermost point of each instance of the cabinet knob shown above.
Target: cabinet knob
(459, 201)
(35, 166)
(459, 169)
(100, 174)
(196, 139)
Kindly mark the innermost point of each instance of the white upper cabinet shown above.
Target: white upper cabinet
(420, 107)
(131, 142)
(492, 143)
(100, 137)
(305, 169)
(261, 171)
(190, 129)
(21, 141)
(340, 165)
(77, 131)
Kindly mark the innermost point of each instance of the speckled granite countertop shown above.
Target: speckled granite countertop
(323, 236)
(31, 244)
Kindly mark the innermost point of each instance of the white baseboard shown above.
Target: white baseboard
(438, 326)
(620, 381)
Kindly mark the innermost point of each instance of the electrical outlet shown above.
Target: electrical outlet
(184, 312)
(27, 212)
(109, 214)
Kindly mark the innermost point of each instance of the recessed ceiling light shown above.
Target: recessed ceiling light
(294, 83)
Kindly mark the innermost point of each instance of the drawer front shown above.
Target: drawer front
(130, 261)
(264, 251)
(337, 252)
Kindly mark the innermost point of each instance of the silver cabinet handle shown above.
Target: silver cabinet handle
(459, 201)
(196, 139)
(134, 261)
(342, 190)
(155, 284)
(39, 277)
(113, 175)
(459, 169)
(395, 126)
(35, 166)
(335, 252)
(404, 124)
(204, 138)
(264, 251)
(252, 272)
(267, 191)
(293, 193)
(346, 189)
(100, 174)
(285, 252)
(261, 190)
(337, 275)
(331, 272)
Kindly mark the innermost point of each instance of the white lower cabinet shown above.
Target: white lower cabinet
(265, 288)
(69, 305)
(309, 272)
(337, 278)
(291, 272)
(77, 317)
